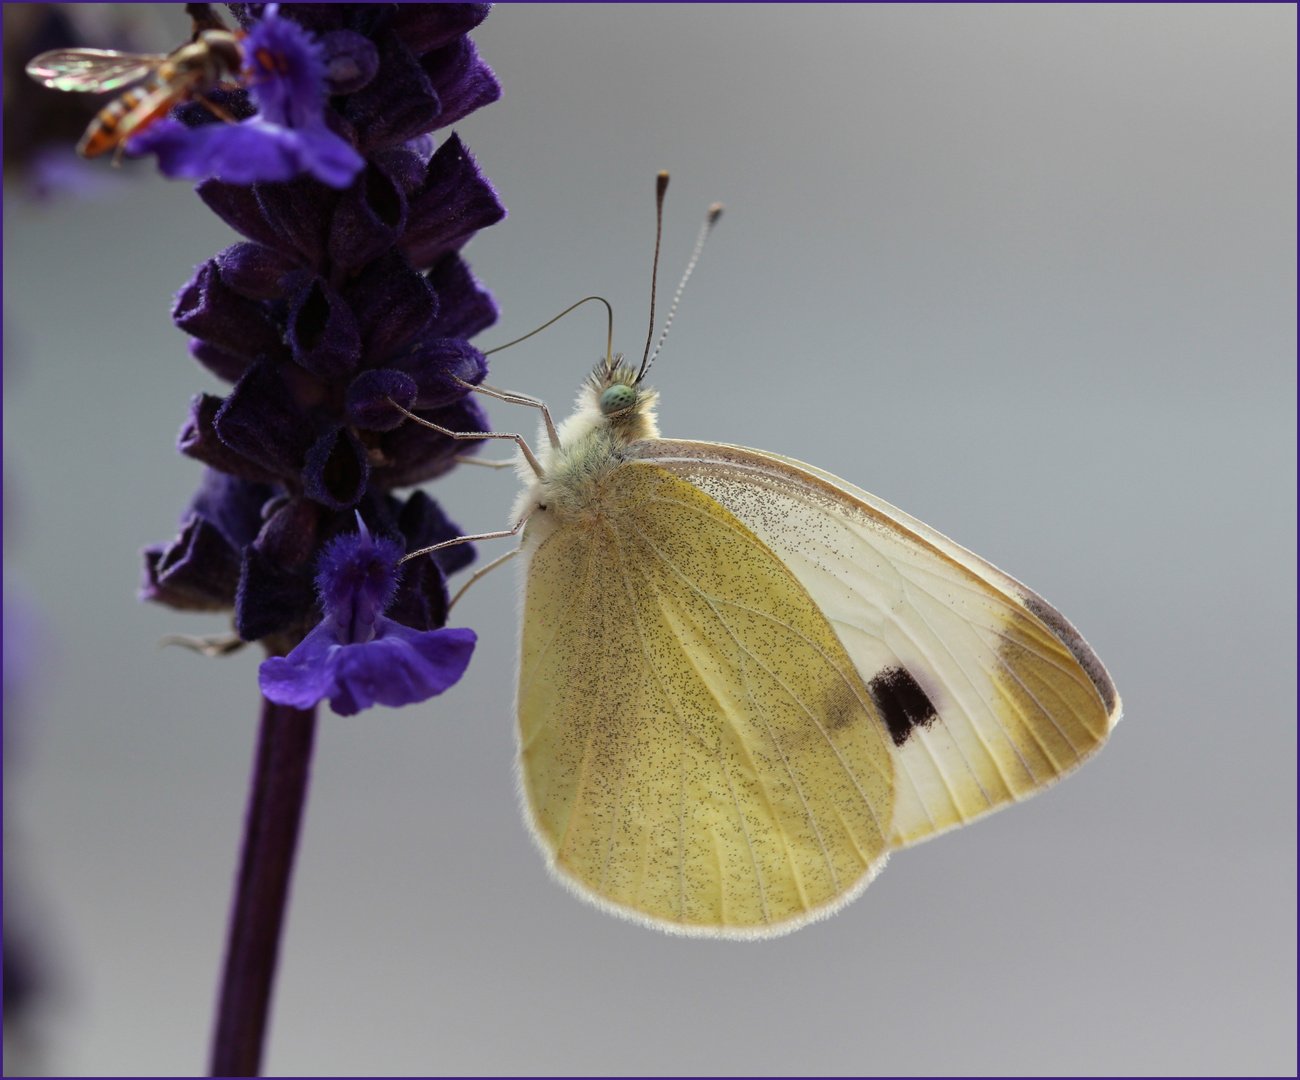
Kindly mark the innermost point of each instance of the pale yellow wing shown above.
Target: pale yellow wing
(986, 692)
(697, 750)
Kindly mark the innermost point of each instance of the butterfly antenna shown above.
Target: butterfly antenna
(661, 186)
(609, 335)
(711, 219)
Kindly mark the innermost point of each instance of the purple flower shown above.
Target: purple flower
(356, 656)
(285, 70)
(348, 299)
(199, 569)
(339, 303)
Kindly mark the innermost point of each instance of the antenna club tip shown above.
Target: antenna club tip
(715, 212)
(661, 182)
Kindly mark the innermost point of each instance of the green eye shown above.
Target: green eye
(616, 398)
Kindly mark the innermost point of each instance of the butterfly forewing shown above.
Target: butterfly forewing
(697, 748)
(984, 693)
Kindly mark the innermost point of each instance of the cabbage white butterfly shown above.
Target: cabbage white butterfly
(743, 681)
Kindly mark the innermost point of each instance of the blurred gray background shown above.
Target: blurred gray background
(1026, 272)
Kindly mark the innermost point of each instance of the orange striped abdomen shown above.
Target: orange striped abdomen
(126, 115)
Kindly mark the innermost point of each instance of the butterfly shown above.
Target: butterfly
(743, 681)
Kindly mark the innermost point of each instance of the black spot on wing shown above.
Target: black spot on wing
(902, 703)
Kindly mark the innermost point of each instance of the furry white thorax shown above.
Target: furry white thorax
(591, 446)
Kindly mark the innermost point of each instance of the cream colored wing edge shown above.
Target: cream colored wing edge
(664, 451)
(960, 653)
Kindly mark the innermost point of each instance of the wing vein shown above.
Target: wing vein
(754, 698)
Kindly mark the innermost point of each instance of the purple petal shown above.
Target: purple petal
(393, 305)
(464, 307)
(198, 439)
(254, 270)
(276, 593)
(461, 80)
(255, 150)
(436, 364)
(367, 406)
(422, 598)
(222, 364)
(290, 532)
(322, 331)
(300, 212)
(406, 163)
(400, 667)
(197, 571)
(210, 309)
(398, 105)
(285, 68)
(430, 26)
(351, 61)
(272, 598)
(356, 579)
(370, 217)
(424, 524)
(261, 421)
(303, 677)
(336, 469)
(235, 101)
(232, 505)
(327, 157)
(239, 208)
(454, 203)
(416, 454)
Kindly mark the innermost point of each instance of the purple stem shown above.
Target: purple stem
(275, 804)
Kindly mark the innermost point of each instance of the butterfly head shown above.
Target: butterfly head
(616, 401)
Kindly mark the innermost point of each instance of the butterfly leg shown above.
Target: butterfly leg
(519, 439)
(481, 572)
(470, 539)
(517, 399)
(485, 464)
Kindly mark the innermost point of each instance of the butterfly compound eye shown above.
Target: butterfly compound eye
(616, 398)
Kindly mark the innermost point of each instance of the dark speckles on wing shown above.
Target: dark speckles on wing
(902, 703)
(840, 706)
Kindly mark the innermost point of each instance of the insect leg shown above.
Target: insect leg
(215, 109)
(469, 539)
(216, 645)
(517, 399)
(519, 439)
(482, 463)
(480, 573)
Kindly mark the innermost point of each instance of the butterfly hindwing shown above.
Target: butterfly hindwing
(985, 693)
(697, 748)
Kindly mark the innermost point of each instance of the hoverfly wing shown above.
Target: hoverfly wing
(91, 70)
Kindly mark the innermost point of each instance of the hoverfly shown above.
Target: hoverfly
(170, 78)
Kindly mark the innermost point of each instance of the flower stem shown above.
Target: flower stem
(275, 805)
